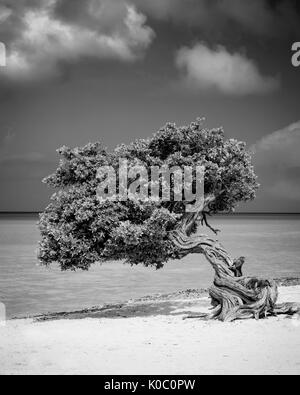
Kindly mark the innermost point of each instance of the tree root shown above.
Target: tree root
(234, 297)
(244, 299)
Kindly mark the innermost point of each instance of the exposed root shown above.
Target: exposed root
(287, 309)
(234, 297)
(247, 298)
(239, 302)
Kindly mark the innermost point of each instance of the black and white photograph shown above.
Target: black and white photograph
(149, 190)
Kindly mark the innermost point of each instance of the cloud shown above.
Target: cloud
(277, 161)
(206, 69)
(42, 34)
(277, 18)
(39, 40)
(5, 13)
(260, 17)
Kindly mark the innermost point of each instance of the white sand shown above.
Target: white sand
(153, 345)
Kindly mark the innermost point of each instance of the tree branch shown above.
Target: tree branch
(204, 221)
(197, 213)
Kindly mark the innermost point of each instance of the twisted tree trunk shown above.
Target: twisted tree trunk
(233, 295)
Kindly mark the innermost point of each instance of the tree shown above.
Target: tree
(78, 229)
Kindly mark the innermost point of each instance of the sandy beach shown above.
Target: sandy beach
(150, 337)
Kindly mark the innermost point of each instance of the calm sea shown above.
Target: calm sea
(270, 243)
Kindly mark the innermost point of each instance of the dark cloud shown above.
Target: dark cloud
(102, 16)
(38, 40)
(40, 35)
(277, 159)
(264, 17)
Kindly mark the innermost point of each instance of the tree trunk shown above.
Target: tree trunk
(233, 295)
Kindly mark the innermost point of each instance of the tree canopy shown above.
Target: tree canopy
(78, 229)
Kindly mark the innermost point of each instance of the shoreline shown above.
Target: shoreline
(144, 306)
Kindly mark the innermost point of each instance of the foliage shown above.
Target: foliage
(79, 230)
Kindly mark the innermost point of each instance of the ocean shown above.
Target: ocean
(269, 242)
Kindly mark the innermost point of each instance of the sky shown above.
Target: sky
(80, 71)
